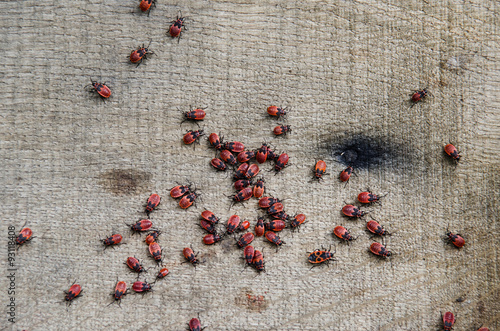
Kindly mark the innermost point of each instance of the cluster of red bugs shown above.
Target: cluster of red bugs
(186, 195)
(277, 112)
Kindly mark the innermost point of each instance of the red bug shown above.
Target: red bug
(190, 256)
(134, 264)
(233, 223)
(141, 226)
(241, 171)
(191, 136)
(375, 228)
(209, 216)
(276, 111)
(258, 261)
(194, 325)
(342, 233)
(319, 169)
(483, 329)
(380, 250)
(241, 184)
(352, 211)
(175, 29)
(249, 253)
(196, 115)
(101, 89)
(275, 208)
(297, 221)
(114, 239)
(367, 197)
(245, 239)
(281, 216)
(258, 189)
(215, 141)
(262, 153)
(448, 320)
(74, 292)
(243, 226)
(455, 239)
(234, 146)
(24, 236)
(120, 291)
(271, 155)
(162, 273)
(210, 239)
(276, 225)
(267, 202)
(179, 191)
(259, 227)
(252, 171)
(151, 237)
(281, 162)
(208, 226)
(243, 195)
(218, 164)
(188, 200)
(452, 152)
(320, 256)
(141, 287)
(155, 251)
(228, 157)
(145, 5)
(153, 202)
(346, 174)
(274, 238)
(245, 156)
(418, 96)
(282, 130)
(140, 54)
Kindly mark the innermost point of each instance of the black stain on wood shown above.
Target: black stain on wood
(125, 181)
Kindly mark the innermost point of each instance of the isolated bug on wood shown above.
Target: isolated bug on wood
(276, 111)
(153, 202)
(162, 273)
(195, 115)
(145, 5)
(342, 233)
(375, 228)
(320, 256)
(140, 54)
(368, 197)
(101, 89)
(452, 151)
(175, 29)
(346, 174)
(195, 325)
(282, 130)
(190, 256)
(24, 236)
(455, 239)
(120, 291)
(74, 292)
(352, 211)
(319, 169)
(448, 321)
(380, 250)
(418, 96)
(114, 239)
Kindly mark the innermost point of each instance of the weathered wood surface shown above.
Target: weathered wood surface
(76, 168)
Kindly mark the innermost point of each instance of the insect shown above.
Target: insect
(267, 202)
(380, 250)
(368, 197)
(140, 54)
(297, 221)
(194, 325)
(196, 115)
(375, 228)
(218, 164)
(281, 162)
(210, 239)
(245, 156)
(232, 224)
(319, 169)
(178, 191)
(252, 171)
(228, 157)
(452, 152)
(276, 111)
(162, 273)
(208, 226)
(155, 251)
(141, 287)
(243, 226)
(343, 233)
(190, 256)
(276, 225)
(152, 236)
(209, 216)
(418, 96)
(320, 256)
(262, 153)
(24, 236)
(241, 171)
(175, 29)
(249, 253)
(282, 130)
(281, 216)
(274, 238)
(120, 291)
(275, 208)
(483, 329)
(153, 202)
(101, 89)
(74, 292)
(241, 184)
(134, 264)
(145, 5)
(114, 239)
(215, 141)
(271, 155)
(245, 239)
(346, 174)
(258, 189)
(352, 211)
(188, 200)
(448, 320)
(258, 261)
(191, 136)
(243, 195)
(455, 239)
(259, 227)
(234, 146)
(141, 226)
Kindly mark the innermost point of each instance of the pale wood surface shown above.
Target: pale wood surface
(76, 168)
